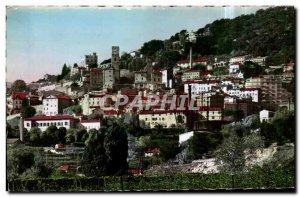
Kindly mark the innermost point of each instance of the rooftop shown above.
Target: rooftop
(62, 117)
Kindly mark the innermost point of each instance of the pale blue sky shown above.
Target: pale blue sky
(40, 40)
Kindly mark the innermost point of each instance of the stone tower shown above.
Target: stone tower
(115, 61)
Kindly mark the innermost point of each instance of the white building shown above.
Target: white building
(220, 64)
(167, 119)
(109, 79)
(186, 63)
(198, 87)
(176, 69)
(265, 115)
(47, 88)
(54, 105)
(254, 93)
(90, 102)
(254, 82)
(74, 70)
(211, 113)
(234, 68)
(150, 153)
(43, 122)
(238, 59)
(126, 73)
(91, 124)
(141, 79)
(191, 75)
(164, 77)
(185, 136)
(259, 60)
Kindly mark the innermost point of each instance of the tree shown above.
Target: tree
(91, 133)
(48, 137)
(116, 147)
(106, 152)
(28, 112)
(35, 135)
(81, 137)
(70, 136)
(152, 47)
(11, 132)
(94, 159)
(237, 149)
(202, 143)
(64, 72)
(251, 69)
(26, 162)
(61, 135)
(75, 77)
(200, 67)
(18, 86)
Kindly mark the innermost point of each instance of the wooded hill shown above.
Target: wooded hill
(269, 32)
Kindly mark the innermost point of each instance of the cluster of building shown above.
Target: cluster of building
(215, 96)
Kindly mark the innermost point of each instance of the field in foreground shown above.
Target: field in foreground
(283, 178)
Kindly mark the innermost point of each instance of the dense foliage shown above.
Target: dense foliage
(258, 178)
(106, 152)
(26, 162)
(269, 32)
(280, 130)
(237, 148)
(203, 143)
(18, 86)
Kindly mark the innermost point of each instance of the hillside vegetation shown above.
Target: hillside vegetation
(269, 32)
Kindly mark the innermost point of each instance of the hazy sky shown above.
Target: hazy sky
(40, 40)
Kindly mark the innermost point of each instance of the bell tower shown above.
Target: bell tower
(115, 61)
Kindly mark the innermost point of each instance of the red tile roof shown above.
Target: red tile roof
(140, 71)
(249, 89)
(290, 64)
(19, 95)
(156, 72)
(202, 82)
(64, 168)
(90, 121)
(194, 61)
(62, 117)
(63, 97)
(206, 73)
(156, 150)
(200, 60)
(205, 108)
(110, 112)
(188, 71)
(235, 63)
(135, 171)
(162, 112)
(238, 56)
(96, 70)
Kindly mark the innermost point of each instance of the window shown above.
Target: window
(48, 124)
(66, 123)
(27, 124)
(44, 124)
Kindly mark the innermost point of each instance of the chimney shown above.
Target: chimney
(21, 128)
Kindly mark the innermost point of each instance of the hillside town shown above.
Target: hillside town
(178, 115)
(215, 96)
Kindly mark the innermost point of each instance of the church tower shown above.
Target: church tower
(115, 62)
